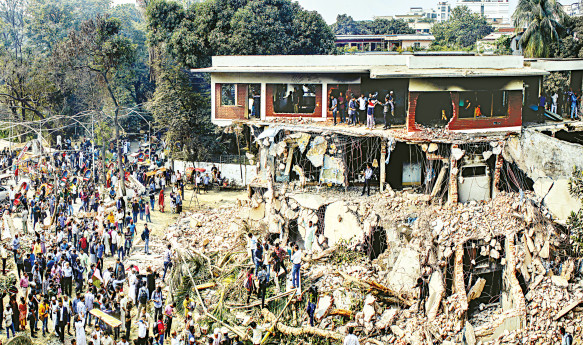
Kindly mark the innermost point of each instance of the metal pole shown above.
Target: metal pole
(92, 149)
(150, 141)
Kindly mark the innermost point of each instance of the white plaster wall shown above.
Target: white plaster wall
(230, 171)
(469, 62)
(549, 162)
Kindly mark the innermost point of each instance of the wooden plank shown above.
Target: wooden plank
(206, 286)
(108, 319)
(567, 309)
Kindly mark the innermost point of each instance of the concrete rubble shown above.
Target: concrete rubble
(488, 267)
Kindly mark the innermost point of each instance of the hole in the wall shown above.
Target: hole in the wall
(376, 242)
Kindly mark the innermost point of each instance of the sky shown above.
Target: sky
(329, 9)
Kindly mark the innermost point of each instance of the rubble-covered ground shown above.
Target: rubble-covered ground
(494, 272)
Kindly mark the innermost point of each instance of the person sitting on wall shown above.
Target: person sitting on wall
(477, 112)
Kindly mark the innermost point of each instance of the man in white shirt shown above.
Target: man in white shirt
(351, 339)
(142, 331)
(361, 107)
(367, 177)
(555, 98)
(296, 259)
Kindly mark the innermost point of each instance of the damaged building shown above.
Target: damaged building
(472, 182)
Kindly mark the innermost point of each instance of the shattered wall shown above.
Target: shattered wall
(549, 163)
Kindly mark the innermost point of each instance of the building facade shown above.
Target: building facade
(370, 43)
(457, 93)
(496, 11)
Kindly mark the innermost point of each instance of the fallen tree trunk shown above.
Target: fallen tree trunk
(375, 287)
(298, 331)
(254, 304)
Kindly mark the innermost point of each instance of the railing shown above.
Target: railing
(228, 159)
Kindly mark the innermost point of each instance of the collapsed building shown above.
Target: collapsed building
(473, 184)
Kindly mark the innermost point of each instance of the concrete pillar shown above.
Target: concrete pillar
(263, 100)
(453, 172)
(499, 162)
(325, 98)
(383, 165)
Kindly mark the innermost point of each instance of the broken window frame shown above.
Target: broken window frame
(225, 94)
(279, 88)
(493, 109)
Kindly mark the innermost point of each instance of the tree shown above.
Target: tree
(462, 29)
(503, 45)
(556, 82)
(575, 220)
(189, 132)
(230, 27)
(345, 25)
(99, 48)
(543, 22)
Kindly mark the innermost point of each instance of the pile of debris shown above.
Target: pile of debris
(486, 271)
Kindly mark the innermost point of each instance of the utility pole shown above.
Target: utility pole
(119, 160)
(92, 149)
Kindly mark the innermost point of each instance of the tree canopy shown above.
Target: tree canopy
(462, 29)
(236, 27)
(346, 25)
(543, 20)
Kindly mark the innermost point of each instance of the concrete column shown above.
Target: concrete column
(453, 172)
(324, 100)
(499, 162)
(383, 165)
(213, 99)
(263, 100)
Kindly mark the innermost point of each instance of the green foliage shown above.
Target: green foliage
(503, 45)
(185, 115)
(575, 220)
(236, 27)
(462, 30)
(346, 25)
(543, 20)
(556, 82)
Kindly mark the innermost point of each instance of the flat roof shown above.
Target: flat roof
(379, 66)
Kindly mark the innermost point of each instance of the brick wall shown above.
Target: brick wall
(513, 119)
(411, 127)
(269, 90)
(232, 112)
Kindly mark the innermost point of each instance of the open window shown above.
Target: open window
(228, 95)
(254, 100)
(481, 104)
(294, 98)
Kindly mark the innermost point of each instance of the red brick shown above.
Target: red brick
(232, 112)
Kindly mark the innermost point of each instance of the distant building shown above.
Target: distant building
(496, 11)
(417, 19)
(443, 11)
(384, 42)
(488, 44)
(573, 10)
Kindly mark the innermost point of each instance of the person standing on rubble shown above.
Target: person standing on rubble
(262, 279)
(296, 259)
(367, 177)
(566, 338)
(258, 256)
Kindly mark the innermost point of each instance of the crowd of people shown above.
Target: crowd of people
(65, 265)
(359, 108)
(55, 264)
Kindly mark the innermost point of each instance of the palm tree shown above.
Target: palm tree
(542, 20)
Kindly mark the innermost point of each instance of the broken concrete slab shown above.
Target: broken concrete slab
(341, 224)
(436, 293)
(317, 150)
(476, 290)
(403, 276)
